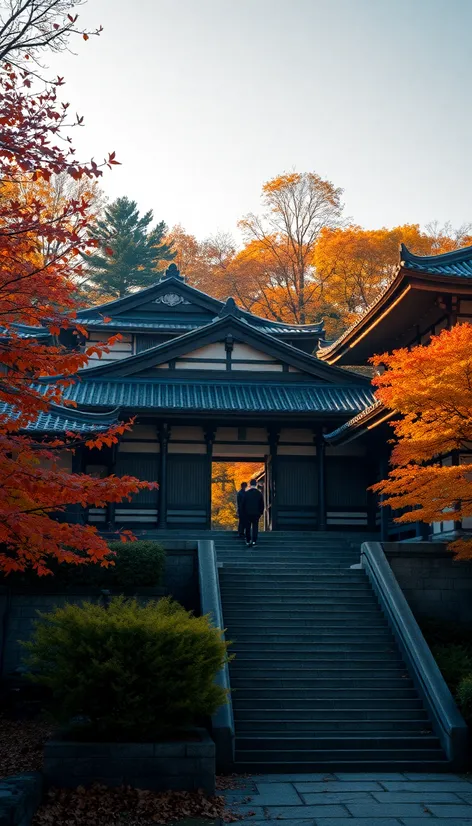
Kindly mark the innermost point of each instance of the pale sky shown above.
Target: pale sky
(204, 100)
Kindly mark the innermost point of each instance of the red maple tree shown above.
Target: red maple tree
(39, 291)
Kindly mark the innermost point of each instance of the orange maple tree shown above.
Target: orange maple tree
(39, 291)
(430, 388)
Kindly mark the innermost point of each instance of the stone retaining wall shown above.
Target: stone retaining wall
(184, 765)
(435, 586)
(19, 609)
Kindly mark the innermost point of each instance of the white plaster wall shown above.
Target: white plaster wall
(176, 448)
(179, 432)
(141, 431)
(210, 351)
(119, 350)
(138, 447)
(293, 435)
(296, 450)
(248, 353)
(268, 366)
(239, 451)
(195, 365)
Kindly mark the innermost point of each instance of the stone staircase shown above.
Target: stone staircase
(317, 682)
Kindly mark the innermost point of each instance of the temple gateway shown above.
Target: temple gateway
(205, 380)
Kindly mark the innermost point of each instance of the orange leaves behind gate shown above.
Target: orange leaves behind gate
(431, 388)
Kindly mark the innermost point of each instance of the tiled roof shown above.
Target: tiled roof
(61, 419)
(211, 397)
(455, 263)
(127, 323)
(138, 324)
(353, 423)
(25, 331)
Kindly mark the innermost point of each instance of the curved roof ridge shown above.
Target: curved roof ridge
(452, 257)
(354, 324)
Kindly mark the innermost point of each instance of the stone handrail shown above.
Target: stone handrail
(210, 603)
(449, 724)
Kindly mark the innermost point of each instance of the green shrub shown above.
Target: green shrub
(454, 661)
(133, 672)
(464, 697)
(136, 564)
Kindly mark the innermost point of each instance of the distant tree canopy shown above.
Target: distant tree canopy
(300, 262)
(129, 252)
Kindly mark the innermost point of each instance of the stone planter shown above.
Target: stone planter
(185, 764)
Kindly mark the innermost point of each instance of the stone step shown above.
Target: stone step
(344, 598)
(306, 712)
(338, 635)
(320, 682)
(318, 611)
(336, 764)
(285, 699)
(248, 649)
(308, 726)
(313, 667)
(334, 694)
(299, 568)
(273, 573)
(303, 625)
(342, 587)
(337, 757)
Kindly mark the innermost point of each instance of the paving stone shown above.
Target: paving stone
(336, 797)
(239, 796)
(416, 797)
(292, 778)
(415, 821)
(398, 810)
(255, 822)
(424, 786)
(431, 776)
(464, 812)
(362, 821)
(378, 776)
(339, 786)
(305, 812)
(276, 794)
(254, 812)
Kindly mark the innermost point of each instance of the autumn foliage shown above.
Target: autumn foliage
(430, 387)
(301, 261)
(38, 290)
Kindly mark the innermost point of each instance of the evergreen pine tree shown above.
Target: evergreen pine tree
(129, 250)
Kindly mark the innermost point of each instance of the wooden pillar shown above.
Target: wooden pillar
(422, 530)
(209, 434)
(111, 506)
(164, 436)
(77, 514)
(273, 436)
(385, 512)
(321, 471)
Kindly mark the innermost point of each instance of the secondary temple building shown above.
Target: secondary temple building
(207, 381)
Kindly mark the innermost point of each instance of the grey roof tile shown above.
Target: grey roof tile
(207, 396)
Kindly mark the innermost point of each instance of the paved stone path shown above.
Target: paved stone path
(346, 799)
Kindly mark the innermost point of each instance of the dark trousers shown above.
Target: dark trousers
(241, 526)
(252, 527)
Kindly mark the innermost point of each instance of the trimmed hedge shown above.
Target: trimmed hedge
(131, 672)
(451, 645)
(136, 564)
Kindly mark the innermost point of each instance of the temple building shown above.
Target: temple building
(207, 381)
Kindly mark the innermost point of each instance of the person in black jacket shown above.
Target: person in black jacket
(253, 508)
(239, 501)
